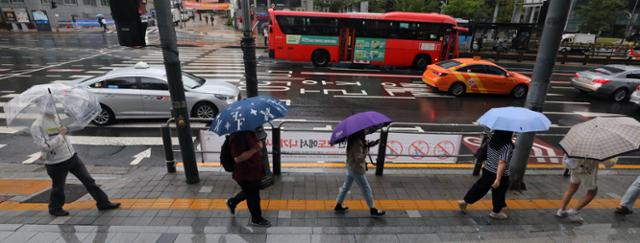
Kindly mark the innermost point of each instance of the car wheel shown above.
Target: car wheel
(320, 58)
(519, 91)
(620, 95)
(204, 110)
(105, 117)
(458, 89)
(421, 62)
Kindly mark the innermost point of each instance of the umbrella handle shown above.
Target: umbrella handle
(59, 120)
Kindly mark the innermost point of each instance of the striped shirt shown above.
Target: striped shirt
(495, 156)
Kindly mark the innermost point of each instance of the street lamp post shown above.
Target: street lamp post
(248, 45)
(176, 88)
(545, 60)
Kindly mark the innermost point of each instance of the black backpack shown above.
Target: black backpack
(226, 158)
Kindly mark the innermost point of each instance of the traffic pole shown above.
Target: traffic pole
(248, 45)
(545, 60)
(176, 89)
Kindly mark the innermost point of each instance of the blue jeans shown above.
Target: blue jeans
(631, 195)
(362, 182)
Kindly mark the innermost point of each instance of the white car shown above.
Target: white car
(142, 91)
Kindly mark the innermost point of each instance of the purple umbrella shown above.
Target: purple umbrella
(358, 122)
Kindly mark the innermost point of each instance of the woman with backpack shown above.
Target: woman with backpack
(357, 150)
(495, 175)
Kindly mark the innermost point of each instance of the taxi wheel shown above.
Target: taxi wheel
(105, 117)
(458, 89)
(519, 91)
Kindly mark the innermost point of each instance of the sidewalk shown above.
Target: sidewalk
(161, 207)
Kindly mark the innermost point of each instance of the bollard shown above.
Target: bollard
(275, 147)
(520, 54)
(478, 163)
(497, 56)
(626, 61)
(382, 151)
(585, 60)
(168, 148)
(564, 57)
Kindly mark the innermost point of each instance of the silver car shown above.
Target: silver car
(142, 91)
(614, 81)
(635, 96)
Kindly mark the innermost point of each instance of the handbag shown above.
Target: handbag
(481, 153)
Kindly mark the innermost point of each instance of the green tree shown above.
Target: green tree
(599, 15)
(424, 6)
(505, 11)
(475, 10)
(335, 5)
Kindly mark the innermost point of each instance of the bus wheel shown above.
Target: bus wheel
(320, 58)
(421, 62)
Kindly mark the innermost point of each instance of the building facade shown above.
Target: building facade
(18, 14)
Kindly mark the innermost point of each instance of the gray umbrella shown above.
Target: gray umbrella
(602, 138)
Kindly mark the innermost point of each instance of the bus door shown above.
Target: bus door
(347, 40)
(447, 45)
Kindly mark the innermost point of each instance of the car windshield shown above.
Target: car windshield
(191, 81)
(608, 70)
(448, 64)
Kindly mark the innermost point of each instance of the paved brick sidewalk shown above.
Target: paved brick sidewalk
(161, 207)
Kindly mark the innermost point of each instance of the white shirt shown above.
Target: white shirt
(54, 148)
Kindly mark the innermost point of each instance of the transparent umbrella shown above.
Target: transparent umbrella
(73, 107)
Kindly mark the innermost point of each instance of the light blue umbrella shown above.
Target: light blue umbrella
(515, 119)
(248, 114)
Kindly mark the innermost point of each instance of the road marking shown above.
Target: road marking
(119, 141)
(568, 102)
(376, 97)
(107, 68)
(96, 72)
(562, 87)
(218, 71)
(140, 156)
(7, 91)
(81, 76)
(32, 158)
(209, 75)
(596, 114)
(65, 70)
(361, 74)
(10, 95)
(59, 64)
(2, 146)
(53, 76)
(10, 130)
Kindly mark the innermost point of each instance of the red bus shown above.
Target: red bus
(389, 39)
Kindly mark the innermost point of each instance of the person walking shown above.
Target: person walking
(357, 150)
(265, 34)
(60, 158)
(495, 175)
(629, 198)
(206, 20)
(246, 150)
(583, 172)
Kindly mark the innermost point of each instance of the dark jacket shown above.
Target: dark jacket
(252, 169)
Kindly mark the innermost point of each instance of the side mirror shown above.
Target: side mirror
(507, 74)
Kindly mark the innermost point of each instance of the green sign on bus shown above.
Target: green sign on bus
(370, 49)
(312, 40)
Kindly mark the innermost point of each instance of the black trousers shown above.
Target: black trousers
(58, 173)
(251, 193)
(483, 185)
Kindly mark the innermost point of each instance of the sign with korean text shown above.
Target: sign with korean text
(369, 49)
(312, 40)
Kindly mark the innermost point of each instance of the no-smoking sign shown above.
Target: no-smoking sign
(394, 148)
(419, 149)
(444, 148)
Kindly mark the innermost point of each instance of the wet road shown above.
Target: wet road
(311, 93)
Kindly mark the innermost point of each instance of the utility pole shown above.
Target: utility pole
(631, 20)
(545, 60)
(176, 88)
(248, 45)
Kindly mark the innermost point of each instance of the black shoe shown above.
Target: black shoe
(376, 212)
(622, 210)
(231, 207)
(260, 223)
(109, 206)
(59, 212)
(340, 208)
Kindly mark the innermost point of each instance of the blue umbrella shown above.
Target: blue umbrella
(247, 115)
(515, 119)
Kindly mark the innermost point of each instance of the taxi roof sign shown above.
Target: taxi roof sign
(477, 58)
(141, 65)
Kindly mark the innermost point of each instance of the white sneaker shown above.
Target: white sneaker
(463, 206)
(572, 212)
(499, 215)
(561, 213)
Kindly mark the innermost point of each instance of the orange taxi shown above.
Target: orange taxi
(474, 75)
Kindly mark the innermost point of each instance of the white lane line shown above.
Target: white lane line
(376, 97)
(213, 71)
(119, 141)
(59, 64)
(207, 75)
(361, 74)
(7, 91)
(81, 76)
(568, 102)
(96, 72)
(563, 87)
(108, 68)
(140, 156)
(10, 95)
(2, 146)
(32, 158)
(597, 114)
